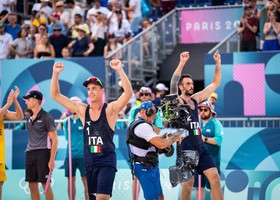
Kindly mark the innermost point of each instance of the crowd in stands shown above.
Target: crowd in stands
(91, 28)
(251, 27)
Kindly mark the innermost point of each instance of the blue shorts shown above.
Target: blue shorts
(100, 181)
(77, 163)
(205, 161)
(149, 179)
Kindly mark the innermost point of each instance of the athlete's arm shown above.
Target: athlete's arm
(55, 93)
(116, 106)
(206, 92)
(184, 57)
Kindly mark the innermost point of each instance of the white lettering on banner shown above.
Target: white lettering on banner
(122, 185)
(209, 26)
(24, 186)
(95, 140)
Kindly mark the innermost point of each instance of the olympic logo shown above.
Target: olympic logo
(24, 186)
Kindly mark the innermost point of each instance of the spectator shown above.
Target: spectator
(66, 52)
(134, 6)
(42, 30)
(5, 40)
(73, 29)
(92, 13)
(146, 42)
(145, 94)
(44, 49)
(98, 32)
(81, 46)
(64, 15)
(271, 30)
(54, 19)
(58, 40)
(11, 27)
(111, 46)
(43, 6)
(167, 5)
(74, 126)
(248, 28)
(161, 90)
(74, 10)
(36, 19)
(7, 5)
(156, 12)
(27, 114)
(119, 27)
(213, 99)
(22, 47)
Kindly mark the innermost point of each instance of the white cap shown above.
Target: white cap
(161, 86)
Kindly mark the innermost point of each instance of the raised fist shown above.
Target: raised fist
(58, 67)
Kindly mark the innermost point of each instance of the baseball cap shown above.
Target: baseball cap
(208, 105)
(161, 86)
(34, 94)
(214, 95)
(59, 3)
(93, 80)
(146, 105)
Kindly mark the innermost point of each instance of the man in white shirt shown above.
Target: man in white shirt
(5, 40)
(97, 8)
(44, 6)
(73, 9)
(7, 5)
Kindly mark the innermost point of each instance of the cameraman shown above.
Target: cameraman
(194, 141)
(143, 143)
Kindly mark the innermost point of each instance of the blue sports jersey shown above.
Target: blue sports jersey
(99, 149)
(77, 137)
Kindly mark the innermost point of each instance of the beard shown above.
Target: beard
(205, 117)
(188, 92)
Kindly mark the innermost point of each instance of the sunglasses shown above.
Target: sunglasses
(42, 29)
(94, 79)
(203, 109)
(144, 94)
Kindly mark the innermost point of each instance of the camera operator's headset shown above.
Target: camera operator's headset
(148, 107)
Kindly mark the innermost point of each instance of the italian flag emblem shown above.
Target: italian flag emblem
(197, 131)
(95, 149)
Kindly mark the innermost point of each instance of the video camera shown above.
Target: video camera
(184, 168)
(173, 112)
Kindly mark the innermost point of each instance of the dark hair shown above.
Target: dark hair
(19, 32)
(182, 77)
(78, 15)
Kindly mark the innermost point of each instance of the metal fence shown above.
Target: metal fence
(142, 55)
(262, 122)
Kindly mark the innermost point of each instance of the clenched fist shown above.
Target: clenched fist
(58, 67)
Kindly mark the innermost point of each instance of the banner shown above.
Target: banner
(35, 74)
(211, 25)
(249, 167)
(249, 86)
